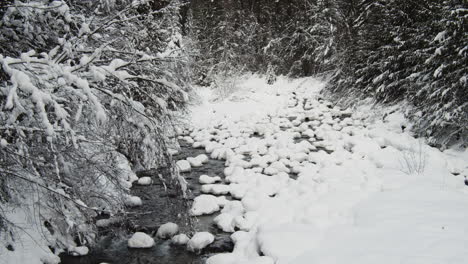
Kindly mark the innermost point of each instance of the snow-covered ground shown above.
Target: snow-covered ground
(365, 190)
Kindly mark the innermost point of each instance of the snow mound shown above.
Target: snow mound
(107, 222)
(207, 204)
(144, 181)
(199, 241)
(195, 162)
(140, 240)
(183, 165)
(202, 158)
(216, 189)
(181, 239)
(167, 230)
(133, 201)
(78, 251)
(205, 179)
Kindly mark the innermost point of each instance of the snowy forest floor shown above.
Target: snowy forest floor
(312, 183)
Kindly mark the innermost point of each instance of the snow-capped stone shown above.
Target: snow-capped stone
(125, 184)
(107, 222)
(197, 144)
(140, 240)
(300, 157)
(194, 162)
(183, 165)
(226, 220)
(78, 251)
(309, 133)
(50, 258)
(215, 189)
(202, 158)
(205, 179)
(133, 201)
(188, 139)
(144, 181)
(206, 204)
(167, 230)
(181, 239)
(172, 152)
(199, 241)
(238, 190)
(3, 143)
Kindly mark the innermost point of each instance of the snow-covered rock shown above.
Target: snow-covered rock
(195, 162)
(144, 181)
(181, 239)
(172, 152)
(140, 240)
(205, 179)
(206, 204)
(216, 189)
(183, 165)
(107, 222)
(199, 241)
(78, 251)
(202, 158)
(167, 230)
(133, 201)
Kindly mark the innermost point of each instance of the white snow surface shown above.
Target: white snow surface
(33, 246)
(364, 190)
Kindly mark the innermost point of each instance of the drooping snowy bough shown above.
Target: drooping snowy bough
(87, 93)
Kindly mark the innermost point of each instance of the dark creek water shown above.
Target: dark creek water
(159, 206)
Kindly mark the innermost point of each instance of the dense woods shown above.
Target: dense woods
(391, 50)
(90, 90)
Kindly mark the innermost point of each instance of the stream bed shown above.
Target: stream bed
(160, 206)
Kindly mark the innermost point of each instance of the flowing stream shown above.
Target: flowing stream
(159, 206)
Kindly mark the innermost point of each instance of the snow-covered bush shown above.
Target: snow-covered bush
(88, 90)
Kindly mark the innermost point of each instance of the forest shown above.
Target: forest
(96, 94)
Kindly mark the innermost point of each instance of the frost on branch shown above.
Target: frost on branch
(86, 96)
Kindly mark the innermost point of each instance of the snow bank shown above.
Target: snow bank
(33, 248)
(364, 191)
(216, 189)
